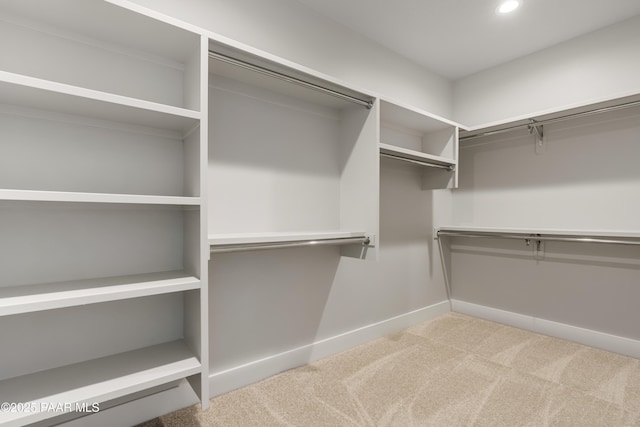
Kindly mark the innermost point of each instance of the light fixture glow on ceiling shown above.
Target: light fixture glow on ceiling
(507, 6)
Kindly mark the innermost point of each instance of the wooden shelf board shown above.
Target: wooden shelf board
(70, 196)
(47, 296)
(16, 89)
(46, 393)
(246, 238)
(415, 155)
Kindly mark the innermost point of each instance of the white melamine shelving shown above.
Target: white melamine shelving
(36, 93)
(298, 159)
(408, 133)
(103, 135)
(57, 391)
(47, 296)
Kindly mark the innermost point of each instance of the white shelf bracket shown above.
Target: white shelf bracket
(538, 131)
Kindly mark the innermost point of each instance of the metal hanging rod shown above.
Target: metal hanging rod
(265, 71)
(539, 237)
(419, 162)
(553, 120)
(292, 244)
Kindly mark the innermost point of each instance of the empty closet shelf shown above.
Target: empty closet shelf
(47, 296)
(30, 92)
(557, 235)
(50, 393)
(70, 196)
(416, 157)
(248, 242)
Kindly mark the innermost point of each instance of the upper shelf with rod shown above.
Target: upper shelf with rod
(534, 124)
(418, 137)
(259, 71)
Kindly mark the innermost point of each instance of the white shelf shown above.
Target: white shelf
(415, 155)
(46, 393)
(265, 238)
(47, 296)
(548, 231)
(63, 196)
(409, 117)
(16, 89)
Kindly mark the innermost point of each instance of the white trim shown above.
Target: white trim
(601, 340)
(230, 379)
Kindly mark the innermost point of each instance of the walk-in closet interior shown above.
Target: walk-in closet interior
(195, 196)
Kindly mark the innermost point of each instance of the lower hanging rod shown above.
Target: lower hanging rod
(241, 247)
(538, 237)
(265, 71)
(419, 162)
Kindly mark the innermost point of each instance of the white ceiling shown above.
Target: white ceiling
(456, 38)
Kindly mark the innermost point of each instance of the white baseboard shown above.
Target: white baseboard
(249, 373)
(616, 344)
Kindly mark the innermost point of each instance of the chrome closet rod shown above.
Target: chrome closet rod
(289, 79)
(554, 120)
(240, 247)
(536, 237)
(418, 162)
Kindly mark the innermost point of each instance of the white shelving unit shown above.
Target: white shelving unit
(301, 161)
(101, 197)
(418, 137)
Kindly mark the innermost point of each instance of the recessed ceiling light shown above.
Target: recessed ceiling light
(507, 6)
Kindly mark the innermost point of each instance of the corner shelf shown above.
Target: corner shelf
(47, 296)
(416, 136)
(95, 381)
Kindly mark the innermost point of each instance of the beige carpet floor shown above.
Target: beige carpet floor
(454, 370)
